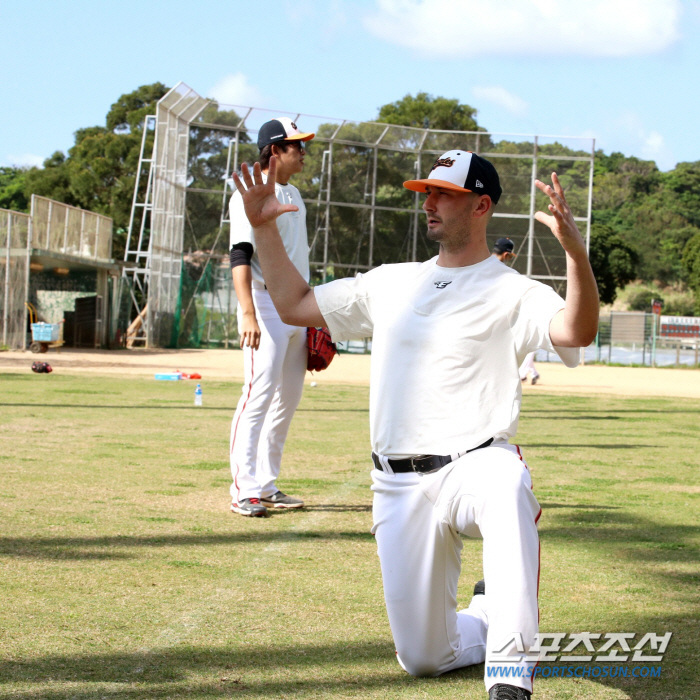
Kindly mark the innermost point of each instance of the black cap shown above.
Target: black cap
(504, 245)
(462, 171)
(282, 129)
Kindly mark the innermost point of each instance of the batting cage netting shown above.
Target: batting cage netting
(359, 215)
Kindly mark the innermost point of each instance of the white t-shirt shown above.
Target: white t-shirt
(447, 344)
(292, 228)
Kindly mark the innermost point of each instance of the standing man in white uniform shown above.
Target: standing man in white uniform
(448, 336)
(275, 353)
(503, 250)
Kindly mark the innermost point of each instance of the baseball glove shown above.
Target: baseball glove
(321, 349)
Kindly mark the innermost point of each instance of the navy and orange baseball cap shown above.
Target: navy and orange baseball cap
(503, 245)
(463, 171)
(282, 129)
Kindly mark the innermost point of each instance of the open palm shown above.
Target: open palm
(561, 222)
(259, 198)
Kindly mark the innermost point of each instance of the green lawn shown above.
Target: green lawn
(124, 575)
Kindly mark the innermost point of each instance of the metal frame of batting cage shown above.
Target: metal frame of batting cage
(15, 255)
(344, 154)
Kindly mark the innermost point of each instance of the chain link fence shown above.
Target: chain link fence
(359, 215)
(15, 241)
(60, 228)
(642, 339)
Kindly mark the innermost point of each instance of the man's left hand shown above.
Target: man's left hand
(561, 222)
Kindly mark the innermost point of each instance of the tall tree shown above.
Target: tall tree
(53, 180)
(691, 262)
(655, 213)
(684, 182)
(427, 112)
(614, 262)
(127, 114)
(12, 183)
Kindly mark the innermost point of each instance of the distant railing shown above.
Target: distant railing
(60, 228)
(645, 339)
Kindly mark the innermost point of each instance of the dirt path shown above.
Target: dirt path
(352, 369)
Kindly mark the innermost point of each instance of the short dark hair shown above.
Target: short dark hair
(266, 153)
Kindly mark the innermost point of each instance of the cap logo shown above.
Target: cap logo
(479, 183)
(443, 162)
(294, 126)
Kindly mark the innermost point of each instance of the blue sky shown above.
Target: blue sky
(623, 71)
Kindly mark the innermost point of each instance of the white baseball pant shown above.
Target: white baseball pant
(272, 388)
(528, 367)
(418, 520)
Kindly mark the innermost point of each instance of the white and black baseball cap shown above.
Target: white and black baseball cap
(282, 129)
(463, 171)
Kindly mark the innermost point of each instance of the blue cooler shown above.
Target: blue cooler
(45, 332)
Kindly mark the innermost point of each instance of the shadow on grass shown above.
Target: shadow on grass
(591, 445)
(356, 669)
(656, 411)
(633, 536)
(641, 538)
(306, 669)
(340, 669)
(340, 508)
(112, 547)
(161, 407)
(577, 416)
(584, 506)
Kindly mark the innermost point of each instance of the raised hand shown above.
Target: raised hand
(561, 222)
(259, 199)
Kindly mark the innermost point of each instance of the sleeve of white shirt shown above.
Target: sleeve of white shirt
(241, 230)
(535, 312)
(345, 305)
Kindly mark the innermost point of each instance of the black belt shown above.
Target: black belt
(422, 464)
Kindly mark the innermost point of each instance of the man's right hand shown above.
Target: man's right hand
(249, 331)
(259, 199)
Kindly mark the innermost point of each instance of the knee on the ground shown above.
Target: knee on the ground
(420, 665)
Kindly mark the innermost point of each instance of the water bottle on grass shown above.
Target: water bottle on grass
(198, 395)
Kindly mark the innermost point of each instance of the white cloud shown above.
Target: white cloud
(654, 143)
(628, 134)
(501, 98)
(25, 160)
(461, 28)
(234, 89)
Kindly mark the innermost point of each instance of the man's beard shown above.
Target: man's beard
(457, 237)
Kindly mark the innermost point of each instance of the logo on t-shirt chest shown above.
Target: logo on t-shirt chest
(441, 285)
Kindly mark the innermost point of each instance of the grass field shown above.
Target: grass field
(125, 576)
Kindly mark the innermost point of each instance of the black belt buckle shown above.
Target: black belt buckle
(421, 464)
(416, 467)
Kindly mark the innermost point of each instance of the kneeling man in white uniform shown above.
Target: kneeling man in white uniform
(448, 337)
